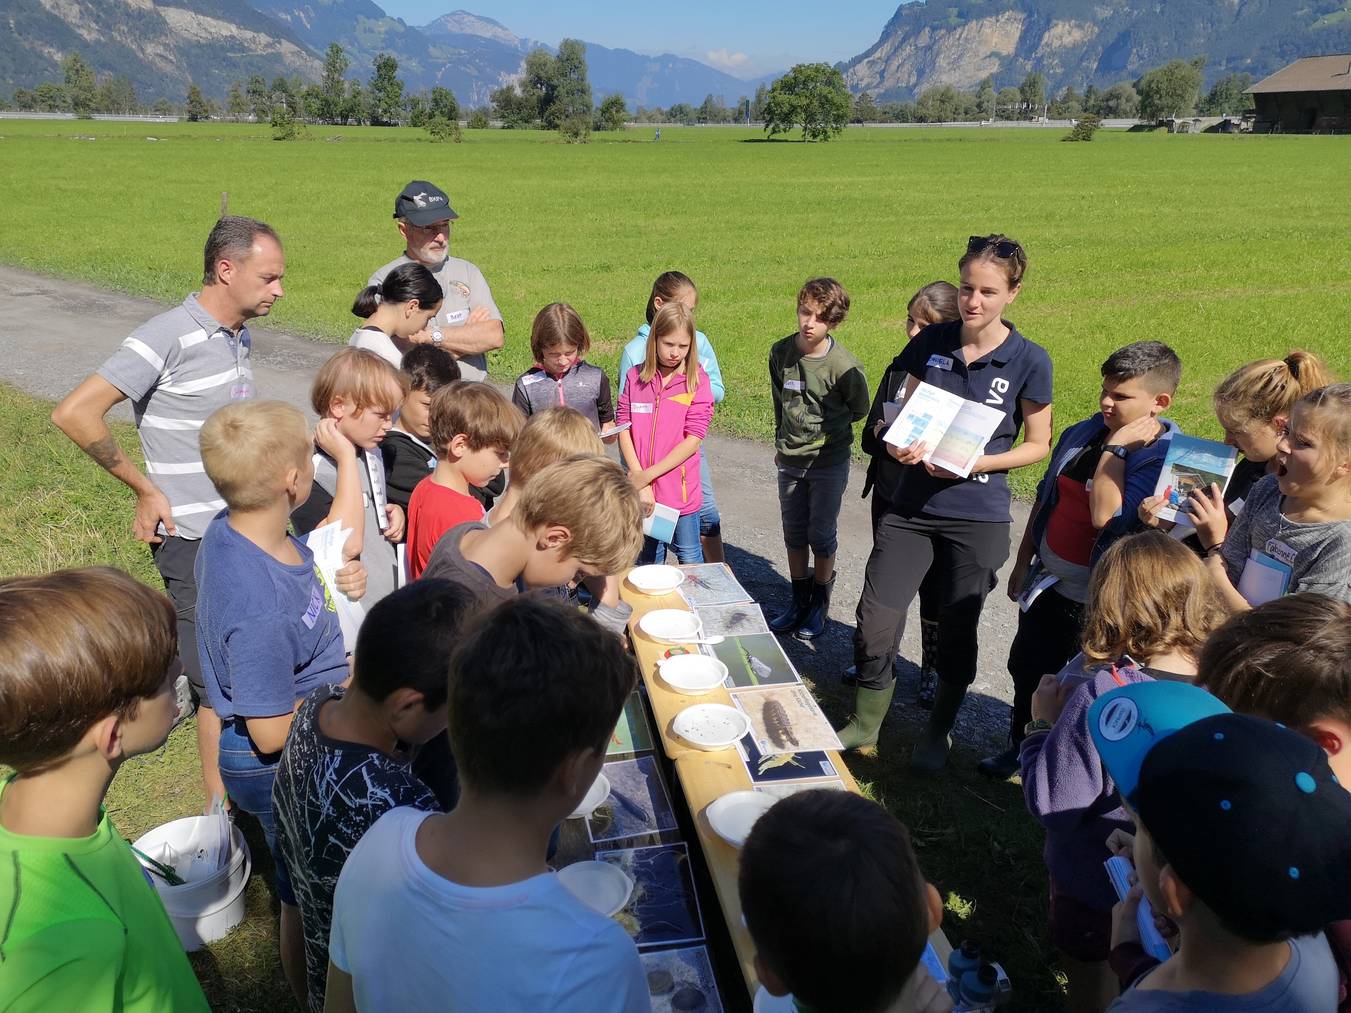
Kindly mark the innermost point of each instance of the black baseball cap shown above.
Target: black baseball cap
(1246, 811)
(423, 203)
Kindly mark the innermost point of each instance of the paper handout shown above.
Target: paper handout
(326, 543)
(1191, 464)
(954, 429)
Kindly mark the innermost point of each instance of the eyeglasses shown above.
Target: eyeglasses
(1004, 248)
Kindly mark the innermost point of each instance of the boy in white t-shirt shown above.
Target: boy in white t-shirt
(458, 911)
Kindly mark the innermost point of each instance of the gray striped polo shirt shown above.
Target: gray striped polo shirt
(176, 369)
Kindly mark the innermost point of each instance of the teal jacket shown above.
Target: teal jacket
(636, 351)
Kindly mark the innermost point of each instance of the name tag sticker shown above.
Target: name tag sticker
(1281, 552)
(530, 378)
(640, 407)
(456, 317)
(939, 362)
(241, 391)
(311, 615)
(796, 385)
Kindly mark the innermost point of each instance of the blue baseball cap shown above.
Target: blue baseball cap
(1127, 722)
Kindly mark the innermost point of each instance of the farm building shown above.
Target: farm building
(1313, 94)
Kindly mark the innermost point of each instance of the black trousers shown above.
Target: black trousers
(930, 588)
(965, 554)
(1048, 636)
(175, 558)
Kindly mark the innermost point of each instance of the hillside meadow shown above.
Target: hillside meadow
(1227, 247)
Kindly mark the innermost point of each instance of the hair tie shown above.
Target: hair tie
(377, 298)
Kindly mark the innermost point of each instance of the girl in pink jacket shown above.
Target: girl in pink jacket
(669, 402)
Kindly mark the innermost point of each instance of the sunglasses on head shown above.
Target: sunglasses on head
(1004, 248)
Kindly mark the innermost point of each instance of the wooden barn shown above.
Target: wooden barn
(1312, 95)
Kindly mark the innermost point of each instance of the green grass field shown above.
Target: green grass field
(1228, 248)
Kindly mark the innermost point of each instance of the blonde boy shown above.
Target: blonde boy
(268, 632)
(579, 516)
(472, 427)
(88, 660)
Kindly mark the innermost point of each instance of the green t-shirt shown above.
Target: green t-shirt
(81, 929)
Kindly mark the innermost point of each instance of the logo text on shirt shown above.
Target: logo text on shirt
(998, 388)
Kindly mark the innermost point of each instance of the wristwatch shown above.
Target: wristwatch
(1036, 725)
(1116, 450)
(436, 337)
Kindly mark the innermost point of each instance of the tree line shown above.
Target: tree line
(1171, 90)
(554, 93)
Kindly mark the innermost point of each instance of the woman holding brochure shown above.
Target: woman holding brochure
(950, 510)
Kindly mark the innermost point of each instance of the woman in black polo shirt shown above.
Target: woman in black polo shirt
(960, 526)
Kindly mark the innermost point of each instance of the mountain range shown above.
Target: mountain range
(1081, 42)
(165, 45)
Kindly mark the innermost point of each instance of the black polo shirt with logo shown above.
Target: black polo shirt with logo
(1016, 371)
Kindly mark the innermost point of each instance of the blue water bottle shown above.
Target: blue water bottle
(965, 958)
(978, 988)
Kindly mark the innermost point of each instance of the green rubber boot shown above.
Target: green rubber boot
(931, 752)
(870, 707)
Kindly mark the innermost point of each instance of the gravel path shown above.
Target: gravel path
(53, 333)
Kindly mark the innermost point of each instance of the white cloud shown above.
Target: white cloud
(727, 61)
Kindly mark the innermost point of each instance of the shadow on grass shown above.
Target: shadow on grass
(975, 840)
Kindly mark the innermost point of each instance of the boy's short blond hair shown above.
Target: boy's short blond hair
(477, 410)
(592, 497)
(247, 448)
(75, 647)
(548, 437)
(360, 376)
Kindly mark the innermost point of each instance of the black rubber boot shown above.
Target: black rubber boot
(791, 618)
(818, 610)
(931, 752)
(1002, 765)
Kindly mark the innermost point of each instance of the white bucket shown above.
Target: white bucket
(207, 909)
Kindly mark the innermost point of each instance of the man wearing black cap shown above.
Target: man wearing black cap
(469, 324)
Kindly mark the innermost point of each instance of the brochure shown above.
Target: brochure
(661, 523)
(954, 429)
(1191, 463)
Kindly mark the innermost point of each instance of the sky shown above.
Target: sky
(744, 38)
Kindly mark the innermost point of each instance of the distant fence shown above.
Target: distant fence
(14, 114)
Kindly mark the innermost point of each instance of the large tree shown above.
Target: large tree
(332, 98)
(1121, 102)
(1032, 91)
(385, 95)
(812, 96)
(79, 85)
(612, 113)
(1226, 97)
(572, 91)
(198, 110)
(1170, 90)
(117, 95)
(260, 98)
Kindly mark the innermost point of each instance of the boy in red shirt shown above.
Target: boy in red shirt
(472, 428)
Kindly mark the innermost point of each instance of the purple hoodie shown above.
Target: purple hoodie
(1069, 791)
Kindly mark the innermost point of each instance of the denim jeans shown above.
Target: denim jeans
(685, 542)
(710, 521)
(248, 778)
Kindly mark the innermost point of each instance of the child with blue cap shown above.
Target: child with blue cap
(1243, 839)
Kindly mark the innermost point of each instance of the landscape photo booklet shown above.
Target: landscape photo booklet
(954, 429)
(1191, 463)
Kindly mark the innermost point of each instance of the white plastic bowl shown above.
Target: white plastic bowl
(602, 886)
(692, 674)
(671, 626)
(711, 726)
(656, 578)
(732, 815)
(595, 795)
(207, 909)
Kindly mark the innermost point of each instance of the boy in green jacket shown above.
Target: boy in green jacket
(819, 393)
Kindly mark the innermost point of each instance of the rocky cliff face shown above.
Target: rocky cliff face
(162, 45)
(1080, 42)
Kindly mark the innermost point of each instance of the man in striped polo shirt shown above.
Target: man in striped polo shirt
(177, 369)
